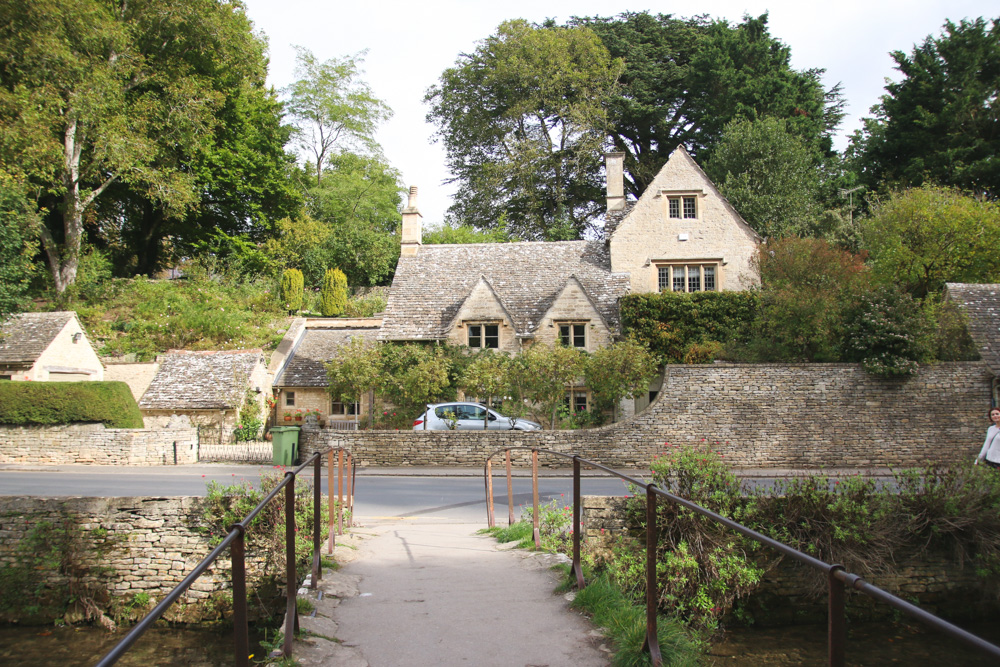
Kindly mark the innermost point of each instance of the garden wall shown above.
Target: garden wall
(105, 551)
(756, 415)
(95, 444)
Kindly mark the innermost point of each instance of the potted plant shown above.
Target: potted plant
(298, 415)
(288, 416)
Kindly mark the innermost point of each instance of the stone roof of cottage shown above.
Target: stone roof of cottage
(23, 337)
(201, 380)
(981, 305)
(307, 366)
(430, 287)
(613, 218)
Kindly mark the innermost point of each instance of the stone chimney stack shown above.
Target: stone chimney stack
(412, 233)
(614, 168)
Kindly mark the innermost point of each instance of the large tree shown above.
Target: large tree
(941, 121)
(924, 237)
(523, 120)
(333, 107)
(18, 235)
(768, 174)
(95, 93)
(685, 79)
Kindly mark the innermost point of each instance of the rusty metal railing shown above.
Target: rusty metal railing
(838, 579)
(235, 540)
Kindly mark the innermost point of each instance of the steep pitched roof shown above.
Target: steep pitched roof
(201, 380)
(25, 336)
(981, 305)
(307, 367)
(430, 287)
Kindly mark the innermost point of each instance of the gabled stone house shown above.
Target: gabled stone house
(208, 387)
(299, 368)
(681, 235)
(48, 347)
(981, 305)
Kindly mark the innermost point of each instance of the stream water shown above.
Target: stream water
(83, 646)
(868, 644)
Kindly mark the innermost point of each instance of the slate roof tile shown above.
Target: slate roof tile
(307, 367)
(23, 337)
(430, 287)
(201, 380)
(981, 305)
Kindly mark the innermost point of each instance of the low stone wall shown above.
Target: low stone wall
(94, 444)
(757, 415)
(105, 551)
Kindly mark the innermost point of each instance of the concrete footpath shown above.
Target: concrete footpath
(425, 594)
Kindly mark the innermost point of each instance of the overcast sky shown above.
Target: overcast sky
(410, 43)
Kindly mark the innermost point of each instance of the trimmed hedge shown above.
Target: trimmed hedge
(673, 324)
(48, 403)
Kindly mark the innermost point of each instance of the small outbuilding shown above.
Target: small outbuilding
(47, 347)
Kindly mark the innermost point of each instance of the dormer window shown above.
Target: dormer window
(572, 334)
(484, 336)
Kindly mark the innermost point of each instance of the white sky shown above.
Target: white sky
(410, 43)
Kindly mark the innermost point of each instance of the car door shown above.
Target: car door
(498, 423)
(470, 417)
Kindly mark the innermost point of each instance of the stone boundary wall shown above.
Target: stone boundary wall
(121, 547)
(757, 415)
(95, 444)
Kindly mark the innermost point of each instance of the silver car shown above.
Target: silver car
(469, 417)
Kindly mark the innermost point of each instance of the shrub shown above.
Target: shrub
(668, 323)
(887, 331)
(291, 290)
(334, 295)
(110, 403)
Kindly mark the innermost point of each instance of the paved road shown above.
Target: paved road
(447, 497)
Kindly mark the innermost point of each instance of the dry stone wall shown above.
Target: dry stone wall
(94, 444)
(757, 415)
(115, 548)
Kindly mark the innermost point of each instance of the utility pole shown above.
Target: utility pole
(850, 193)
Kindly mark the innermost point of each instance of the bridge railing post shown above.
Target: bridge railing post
(237, 557)
(291, 580)
(652, 643)
(510, 493)
(317, 569)
(536, 533)
(837, 624)
(577, 525)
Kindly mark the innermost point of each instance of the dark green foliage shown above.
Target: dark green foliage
(886, 331)
(939, 123)
(18, 233)
(686, 78)
(334, 293)
(110, 403)
(670, 323)
(291, 290)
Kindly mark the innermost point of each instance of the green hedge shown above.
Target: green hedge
(674, 324)
(46, 403)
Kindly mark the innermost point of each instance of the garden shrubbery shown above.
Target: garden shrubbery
(45, 403)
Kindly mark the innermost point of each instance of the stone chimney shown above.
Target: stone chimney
(614, 166)
(412, 233)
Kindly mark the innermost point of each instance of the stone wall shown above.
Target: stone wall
(115, 548)
(94, 444)
(758, 416)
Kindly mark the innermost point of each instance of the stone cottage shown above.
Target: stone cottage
(47, 347)
(680, 235)
(981, 305)
(299, 368)
(208, 387)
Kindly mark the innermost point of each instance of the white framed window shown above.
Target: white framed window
(339, 408)
(573, 334)
(484, 336)
(688, 277)
(682, 207)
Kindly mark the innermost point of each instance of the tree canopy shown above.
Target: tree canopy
(941, 122)
(95, 94)
(686, 78)
(523, 120)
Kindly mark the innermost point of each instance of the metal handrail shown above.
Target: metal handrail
(837, 577)
(236, 541)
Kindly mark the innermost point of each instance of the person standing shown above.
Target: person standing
(990, 453)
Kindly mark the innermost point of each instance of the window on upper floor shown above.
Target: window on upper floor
(573, 334)
(700, 277)
(484, 336)
(685, 207)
